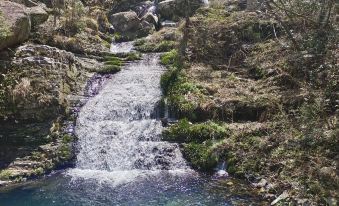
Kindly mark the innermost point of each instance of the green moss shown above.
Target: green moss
(163, 46)
(109, 69)
(201, 156)
(140, 42)
(67, 138)
(132, 56)
(187, 132)
(118, 37)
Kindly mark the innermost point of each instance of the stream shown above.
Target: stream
(121, 159)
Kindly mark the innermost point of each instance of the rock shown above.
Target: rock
(221, 173)
(327, 173)
(28, 3)
(252, 5)
(38, 16)
(125, 21)
(151, 18)
(4, 183)
(57, 74)
(130, 26)
(16, 24)
(174, 9)
(283, 196)
(260, 184)
(125, 5)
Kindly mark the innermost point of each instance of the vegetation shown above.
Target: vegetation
(184, 131)
(145, 46)
(201, 156)
(4, 29)
(273, 81)
(73, 21)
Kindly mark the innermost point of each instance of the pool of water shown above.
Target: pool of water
(157, 188)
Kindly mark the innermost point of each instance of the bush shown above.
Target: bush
(198, 133)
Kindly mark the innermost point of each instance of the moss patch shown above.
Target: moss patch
(185, 131)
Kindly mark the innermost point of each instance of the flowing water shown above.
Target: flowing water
(121, 158)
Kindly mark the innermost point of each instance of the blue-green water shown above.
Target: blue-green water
(155, 189)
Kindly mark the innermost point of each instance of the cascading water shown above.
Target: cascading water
(117, 129)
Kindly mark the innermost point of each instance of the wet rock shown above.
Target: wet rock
(151, 18)
(221, 174)
(16, 24)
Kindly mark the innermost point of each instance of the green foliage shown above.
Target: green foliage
(73, 21)
(117, 37)
(177, 96)
(38, 171)
(168, 79)
(5, 175)
(184, 131)
(201, 156)
(170, 58)
(112, 64)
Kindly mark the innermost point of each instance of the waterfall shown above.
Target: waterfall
(119, 137)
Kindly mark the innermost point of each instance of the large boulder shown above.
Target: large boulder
(129, 26)
(15, 24)
(175, 9)
(125, 21)
(38, 16)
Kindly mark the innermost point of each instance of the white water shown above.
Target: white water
(119, 140)
(123, 47)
